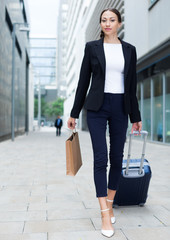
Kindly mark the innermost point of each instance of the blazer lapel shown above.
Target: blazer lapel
(101, 56)
(127, 57)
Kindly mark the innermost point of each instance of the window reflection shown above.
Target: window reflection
(157, 108)
(139, 95)
(147, 106)
(167, 108)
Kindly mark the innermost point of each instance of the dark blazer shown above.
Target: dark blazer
(93, 68)
(60, 125)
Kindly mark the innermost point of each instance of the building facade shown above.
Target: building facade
(152, 41)
(43, 59)
(147, 28)
(61, 48)
(12, 12)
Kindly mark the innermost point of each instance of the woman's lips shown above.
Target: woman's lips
(108, 29)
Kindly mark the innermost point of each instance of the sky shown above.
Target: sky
(43, 17)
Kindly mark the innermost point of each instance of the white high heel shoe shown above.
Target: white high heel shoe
(107, 233)
(113, 219)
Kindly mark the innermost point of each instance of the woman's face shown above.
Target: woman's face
(109, 23)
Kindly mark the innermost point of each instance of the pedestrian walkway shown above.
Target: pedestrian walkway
(39, 202)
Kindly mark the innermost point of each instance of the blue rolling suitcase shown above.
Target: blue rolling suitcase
(135, 178)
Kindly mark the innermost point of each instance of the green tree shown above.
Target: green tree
(43, 107)
(55, 108)
(35, 107)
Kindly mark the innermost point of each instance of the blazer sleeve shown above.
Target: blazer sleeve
(135, 113)
(83, 83)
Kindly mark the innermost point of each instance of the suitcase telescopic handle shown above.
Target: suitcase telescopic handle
(145, 134)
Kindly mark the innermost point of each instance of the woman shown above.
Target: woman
(112, 97)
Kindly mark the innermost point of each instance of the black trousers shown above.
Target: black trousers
(111, 112)
(58, 131)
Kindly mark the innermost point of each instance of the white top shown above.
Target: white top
(114, 77)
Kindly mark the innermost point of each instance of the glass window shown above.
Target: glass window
(157, 108)
(43, 42)
(167, 108)
(45, 80)
(43, 52)
(146, 121)
(45, 71)
(45, 62)
(138, 94)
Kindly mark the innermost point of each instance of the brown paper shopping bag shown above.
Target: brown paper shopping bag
(73, 155)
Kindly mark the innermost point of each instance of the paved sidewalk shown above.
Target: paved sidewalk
(39, 202)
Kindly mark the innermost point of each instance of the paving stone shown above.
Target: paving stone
(84, 235)
(59, 226)
(35, 236)
(55, 205)
(37, 199)
(167, 206)
(91, 203)
(159, 233)
(36, 195)
(11, 227)
(54, 196)
(13, 207)
(162, 214)
(72, 214)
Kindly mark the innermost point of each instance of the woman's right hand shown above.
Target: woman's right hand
(71, 123)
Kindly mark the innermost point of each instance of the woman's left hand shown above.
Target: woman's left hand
(137, 126)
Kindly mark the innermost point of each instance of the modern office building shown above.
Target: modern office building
(43, 59)
(148, 29)
(14, 12)
(61, 48)
(152, 40)
(31, 99)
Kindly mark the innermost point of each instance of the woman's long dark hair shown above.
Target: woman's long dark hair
(114, 10)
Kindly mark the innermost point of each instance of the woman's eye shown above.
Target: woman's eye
(110, 20)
